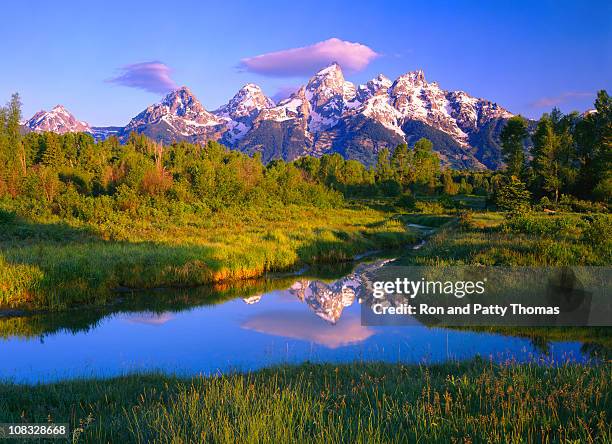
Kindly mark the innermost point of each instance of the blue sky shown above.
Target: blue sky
(524, 55)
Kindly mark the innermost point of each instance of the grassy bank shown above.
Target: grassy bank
(535, 239)
(61, 263)
(469, 402)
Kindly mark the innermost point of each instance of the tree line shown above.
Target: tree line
(571, 156)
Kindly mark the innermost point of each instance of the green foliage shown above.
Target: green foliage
(512, 137)
(513, 196)
(406, 201)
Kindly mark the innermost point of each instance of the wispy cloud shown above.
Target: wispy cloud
(151, 76)
(547, 102)
(305, 60)
(283, 92)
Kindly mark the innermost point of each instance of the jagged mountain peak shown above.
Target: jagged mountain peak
(327, 82)
(416, 78)
(241, 111)
(180, 114)
(182, 102)
(333, 69)
(58, 120)
(377, 85)
(327, 114)
(247, 102)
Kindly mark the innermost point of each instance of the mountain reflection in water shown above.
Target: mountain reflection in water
(252, 324)
(329, 300)
(305, 327)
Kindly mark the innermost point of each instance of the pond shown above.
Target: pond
(279, 320)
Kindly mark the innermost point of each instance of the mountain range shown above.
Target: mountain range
(326, 115)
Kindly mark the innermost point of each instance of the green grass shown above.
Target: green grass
(487, 238)
(55, 264)
(468, 402)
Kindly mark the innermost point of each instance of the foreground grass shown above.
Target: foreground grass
(59, 264)
(469, 402)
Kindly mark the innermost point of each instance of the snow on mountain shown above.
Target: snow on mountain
(179, 116)
(58, 120)
(104, 132)
(379, 84)
(327, 93)
(179, 113)
(327, 114)
(242, 109)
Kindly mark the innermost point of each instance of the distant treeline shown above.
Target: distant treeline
(570, 159)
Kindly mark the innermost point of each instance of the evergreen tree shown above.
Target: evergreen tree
(383, 169)
(594, 146)
(546, 162)
(402, 163)
(512, 137)
(52, 155)
(512, 195)
(427, 163)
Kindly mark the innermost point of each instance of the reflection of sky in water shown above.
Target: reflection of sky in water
(305, 327)
(278, 328)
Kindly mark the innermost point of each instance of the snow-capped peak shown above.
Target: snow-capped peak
(58, 120)
(327, 93)
(414, 78)
(379, 84)
(247, 102)
(181, 111)
(181, 102)
(242, 109)
(331, 69)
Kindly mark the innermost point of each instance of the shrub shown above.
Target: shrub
(406, 201)
(598, 231)
(513, 196)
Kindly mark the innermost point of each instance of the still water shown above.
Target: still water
(288, 319)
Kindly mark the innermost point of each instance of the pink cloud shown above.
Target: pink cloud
(151, 76)
(308, 59)
(547, 102)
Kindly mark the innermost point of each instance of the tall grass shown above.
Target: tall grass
(58, 264)
(470, 402)
(529, 240)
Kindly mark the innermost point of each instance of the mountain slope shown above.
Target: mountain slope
(58, 120)
(328, 114)
(179, 116)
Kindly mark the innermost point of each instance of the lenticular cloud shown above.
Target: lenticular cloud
(303, 61)
(150, 76)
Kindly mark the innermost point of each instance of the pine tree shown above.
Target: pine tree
(512, 195)
(402, 163)
(546, 161)
(383, 168)
(512, 137)
(52, 155)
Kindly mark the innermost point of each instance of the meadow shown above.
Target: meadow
(60, 263)
(474, 401)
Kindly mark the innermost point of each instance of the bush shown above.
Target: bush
(513, 196)
(6, 217)
(598, 231)
(406, 201)
(429, 207)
